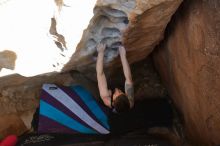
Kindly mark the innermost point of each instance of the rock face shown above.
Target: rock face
(11, 124)
(188, 60)
(138, 24)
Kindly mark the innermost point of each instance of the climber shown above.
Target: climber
(119, 101)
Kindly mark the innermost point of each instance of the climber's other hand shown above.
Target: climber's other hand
(122, 50)
(101, 47)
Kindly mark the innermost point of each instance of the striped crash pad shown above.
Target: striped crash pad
(70, 110)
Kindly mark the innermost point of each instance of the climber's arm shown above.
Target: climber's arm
(102, 83)
(129, 89)
(125, 65)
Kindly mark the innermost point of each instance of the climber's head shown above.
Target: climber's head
(120, 101)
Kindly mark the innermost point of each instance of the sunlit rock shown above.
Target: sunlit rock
(7, 59)
(138, 24)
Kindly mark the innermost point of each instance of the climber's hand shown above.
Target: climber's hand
(101, 47)
(122, 50)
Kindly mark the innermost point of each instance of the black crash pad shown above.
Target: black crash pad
(88, 140)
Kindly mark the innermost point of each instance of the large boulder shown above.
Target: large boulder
(188, 61)
(138, 24)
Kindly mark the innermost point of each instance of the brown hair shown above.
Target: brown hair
(121, 103)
